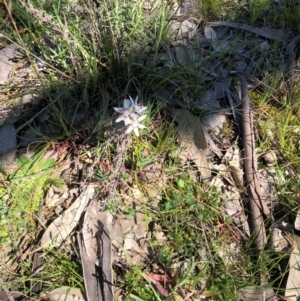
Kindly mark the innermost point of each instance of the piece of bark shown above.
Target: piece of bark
(37, 264)
(90, 274)
(257, 205)
(98, 249)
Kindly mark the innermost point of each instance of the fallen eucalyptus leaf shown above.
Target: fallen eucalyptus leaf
(275, 34)
(192, 140)
(237, 175)
(222, 45)
(96, 252)
(65, 293)
(210, 33)
(63, 225)
(214, 122)
(187, 28)
(90, 231)
(212, 144)
(183, 56)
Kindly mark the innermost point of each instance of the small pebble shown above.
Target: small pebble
(270, 158)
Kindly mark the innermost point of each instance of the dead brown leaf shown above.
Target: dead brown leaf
(192, 141)
(63, 225)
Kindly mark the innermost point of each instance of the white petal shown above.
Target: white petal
(132, 118)
(141, 118)
(141, 109)
(130, 128)
(119, 110)
(132, 101)
(127, 103)
(141, 126)
(120, 119)
(136, 100)
(136, 130)
(127, 121)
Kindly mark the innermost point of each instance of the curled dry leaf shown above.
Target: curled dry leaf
(63, 225)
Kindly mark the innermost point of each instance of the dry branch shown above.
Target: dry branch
(258, 207)
(257, 204)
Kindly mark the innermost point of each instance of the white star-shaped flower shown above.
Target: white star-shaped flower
(125, 112)
(125, 116)
(132, 115)
(138, 108)
(135, 124)
(128, 105)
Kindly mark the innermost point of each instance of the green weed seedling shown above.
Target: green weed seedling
(21, 198)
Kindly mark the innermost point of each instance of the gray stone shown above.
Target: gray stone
(8, 139)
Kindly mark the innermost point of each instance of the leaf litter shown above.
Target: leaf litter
(119, 238)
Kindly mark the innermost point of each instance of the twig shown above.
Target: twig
(6, 291)
(249, 149)
(258, 206)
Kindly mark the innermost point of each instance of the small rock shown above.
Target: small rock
(270, 158)
(297, 221)
(9, 135)
(276, 237)
(6, 64)
(270, 134)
